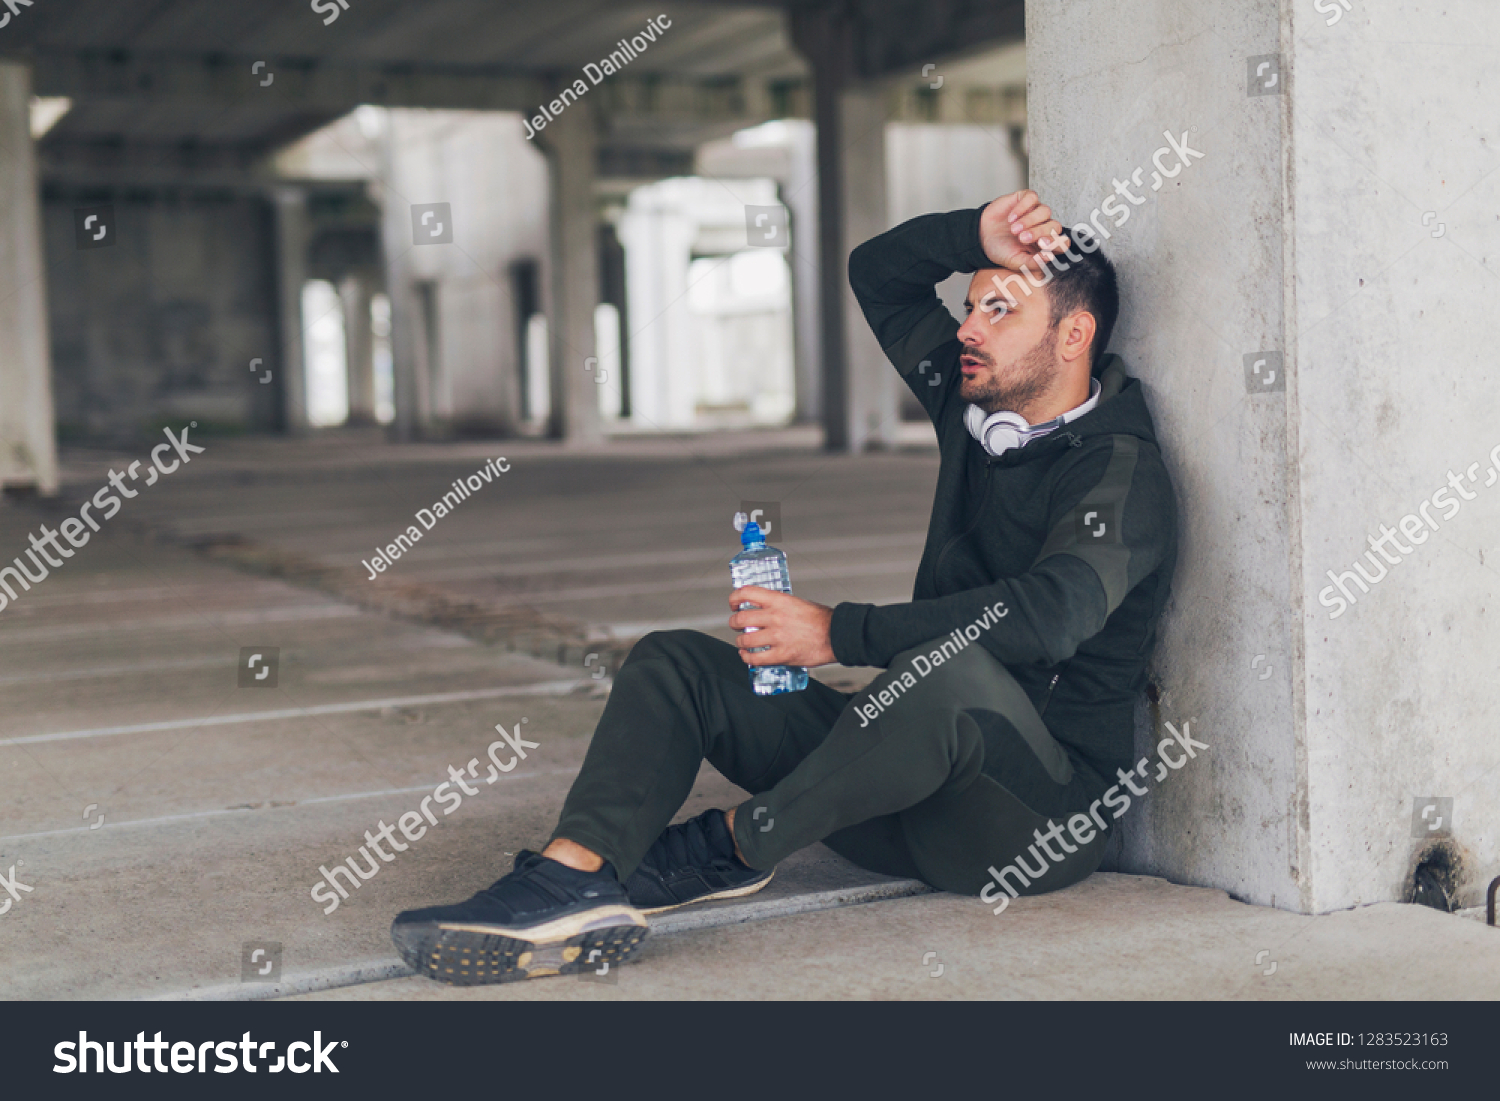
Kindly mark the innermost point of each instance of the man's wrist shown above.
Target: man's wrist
(846, 633)
(974, 257)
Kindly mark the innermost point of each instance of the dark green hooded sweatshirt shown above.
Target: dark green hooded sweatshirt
(1075, 532)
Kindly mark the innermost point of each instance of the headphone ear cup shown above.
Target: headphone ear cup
(1002, 431)
(974, 422)
(998, 432)
(1000, 436)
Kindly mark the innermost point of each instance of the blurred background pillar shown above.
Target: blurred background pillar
(571, 143)
(291, 274)
(28, 445)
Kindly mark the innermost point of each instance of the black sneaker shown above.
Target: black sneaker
(693, 861)
(544, 918)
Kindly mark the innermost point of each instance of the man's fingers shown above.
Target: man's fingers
(1026, 227)
(1053, 240)
(1024, 203)
(1006, 204)
(754, 640)
(755, 617)
(1036, 228)
(1045, 248)
(754, 594)
(767, 657)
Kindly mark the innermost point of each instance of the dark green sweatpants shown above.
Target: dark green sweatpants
(952, 772)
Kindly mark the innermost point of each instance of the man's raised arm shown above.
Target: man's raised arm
(894, 276)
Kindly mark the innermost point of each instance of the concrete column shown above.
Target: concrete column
(858, 394)
(28, 442)
(359, 348)
(292, 233)
(826, 39)
(799, 191)
(870, 383)
(658, 240)
(1301, 302)
(408, 421)
(571, 144)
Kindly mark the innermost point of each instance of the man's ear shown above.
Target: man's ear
(1076, 336)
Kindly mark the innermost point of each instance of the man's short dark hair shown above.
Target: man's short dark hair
(1088, 285)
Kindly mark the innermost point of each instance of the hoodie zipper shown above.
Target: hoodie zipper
(1047, 699)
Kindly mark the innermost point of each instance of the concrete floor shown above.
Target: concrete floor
(166, 818)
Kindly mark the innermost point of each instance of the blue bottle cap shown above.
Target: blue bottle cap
(751, 534)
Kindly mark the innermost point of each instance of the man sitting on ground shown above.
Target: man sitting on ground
(1010, 679)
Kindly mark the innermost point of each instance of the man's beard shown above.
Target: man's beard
(1027, 380)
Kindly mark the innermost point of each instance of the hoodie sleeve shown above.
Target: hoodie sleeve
(894, 277)
(1111, 520)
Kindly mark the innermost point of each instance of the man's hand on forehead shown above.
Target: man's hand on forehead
(1017, 231)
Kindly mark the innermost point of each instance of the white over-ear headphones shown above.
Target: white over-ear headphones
(1000, 432)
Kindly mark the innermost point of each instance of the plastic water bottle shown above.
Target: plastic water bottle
(765, 566)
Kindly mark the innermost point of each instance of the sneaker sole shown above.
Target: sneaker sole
(732, 892)
(464, 954)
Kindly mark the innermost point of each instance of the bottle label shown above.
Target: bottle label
(766, 572)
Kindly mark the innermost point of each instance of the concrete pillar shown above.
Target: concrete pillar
(571, 143)
(799, 191)
(1301, 302)
(614, 292)
(292, 234)
(658, 239)
(827, 40)
(28, 442)
(858, 394)
(408, 421)
(359, 348)
(870, 383)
